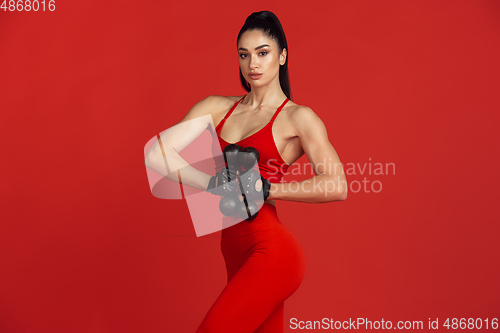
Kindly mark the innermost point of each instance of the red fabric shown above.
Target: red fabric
(264, 262)
(265, 265)
(271, 164)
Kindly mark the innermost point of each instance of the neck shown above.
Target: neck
(271, 94)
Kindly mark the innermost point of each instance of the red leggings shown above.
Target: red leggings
(265, 265)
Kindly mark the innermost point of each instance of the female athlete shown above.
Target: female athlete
(265, 263)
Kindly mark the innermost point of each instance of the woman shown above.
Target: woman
(264, 262)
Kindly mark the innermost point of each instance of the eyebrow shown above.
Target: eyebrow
(258, 47)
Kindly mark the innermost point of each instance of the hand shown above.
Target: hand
(255, 186)
(224, 183)
(256, 190)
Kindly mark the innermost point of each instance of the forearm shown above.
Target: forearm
(318, 189)
(173, 167)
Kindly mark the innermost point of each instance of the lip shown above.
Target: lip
(255, 76)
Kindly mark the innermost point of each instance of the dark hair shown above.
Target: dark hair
(270, 26)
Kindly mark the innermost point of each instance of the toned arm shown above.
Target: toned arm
(164, 158)
(330, 183)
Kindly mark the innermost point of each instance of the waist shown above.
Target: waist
(266, 219)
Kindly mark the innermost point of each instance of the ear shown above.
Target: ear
(283, 56)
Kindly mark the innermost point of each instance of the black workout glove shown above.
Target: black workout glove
(254, 189)
(223, 183)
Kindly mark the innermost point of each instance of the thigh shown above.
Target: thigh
(249, 298)
(265, 265)
(273, 323)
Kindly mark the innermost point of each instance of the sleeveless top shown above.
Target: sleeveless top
(271, 164)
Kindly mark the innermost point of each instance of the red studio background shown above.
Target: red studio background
(85, 247)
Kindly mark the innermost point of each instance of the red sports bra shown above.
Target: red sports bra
(271, 164)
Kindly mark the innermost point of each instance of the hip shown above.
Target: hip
(265, 232)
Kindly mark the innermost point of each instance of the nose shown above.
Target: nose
(254, 63)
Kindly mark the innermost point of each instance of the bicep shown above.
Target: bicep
(190, 127)
(202, 108)
(313, 137)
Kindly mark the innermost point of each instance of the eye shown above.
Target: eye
(244, 55)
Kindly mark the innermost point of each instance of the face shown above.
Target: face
(259, 58)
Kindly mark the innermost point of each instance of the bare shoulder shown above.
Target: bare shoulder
(304, 120)
(299, 113)
(211, 105)
(219, 101)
